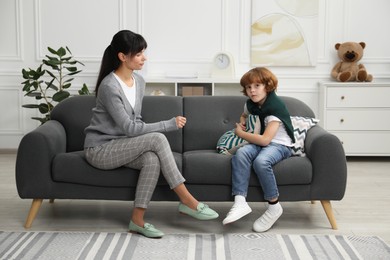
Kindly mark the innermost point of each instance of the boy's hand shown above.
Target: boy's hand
(239, 129)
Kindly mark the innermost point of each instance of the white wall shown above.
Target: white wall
(183, 36)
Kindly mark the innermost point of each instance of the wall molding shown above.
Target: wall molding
(38, 31)
(20, 112)
(19, 35)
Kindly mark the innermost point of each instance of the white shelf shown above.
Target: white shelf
(219, 86)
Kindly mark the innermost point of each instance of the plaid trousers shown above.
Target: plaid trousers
(148, 153)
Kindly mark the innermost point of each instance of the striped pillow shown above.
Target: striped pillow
(229, 142)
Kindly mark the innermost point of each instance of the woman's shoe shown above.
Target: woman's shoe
(148, 230)
(203, 211)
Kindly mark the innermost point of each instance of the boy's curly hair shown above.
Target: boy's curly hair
(259, 75)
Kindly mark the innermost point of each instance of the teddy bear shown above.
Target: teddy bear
(349, 68)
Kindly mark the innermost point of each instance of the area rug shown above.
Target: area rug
(93, 245)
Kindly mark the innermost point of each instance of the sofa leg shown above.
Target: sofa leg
(35, 205)
(329, 213)
(51, 201)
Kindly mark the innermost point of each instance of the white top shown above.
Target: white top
(281, 136)
(130, 92)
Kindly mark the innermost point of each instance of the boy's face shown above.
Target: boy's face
(256, 92)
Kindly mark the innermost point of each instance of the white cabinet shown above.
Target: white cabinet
(359, 115)
(212, 86)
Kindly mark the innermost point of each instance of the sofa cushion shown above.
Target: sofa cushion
(210, 167)
(73, 168)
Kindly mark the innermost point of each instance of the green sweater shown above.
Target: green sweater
(273, 106)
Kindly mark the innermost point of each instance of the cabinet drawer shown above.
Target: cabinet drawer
(358, 120)
(365, 143)
(358, 97)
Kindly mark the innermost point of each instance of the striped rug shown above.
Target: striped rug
(90, 245)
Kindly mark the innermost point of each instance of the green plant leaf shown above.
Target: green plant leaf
(61, 52)
(61, 95)
(51, 74)
(68, 50)
(66, 59)
(43, 108)
(84, 90)
(71, 69)
(51, 85)
(30, 106)
(25, 74)
(34, 94)
(52, 63)
(66, 86)
(52, 51)
(68, 80)
(74, 73)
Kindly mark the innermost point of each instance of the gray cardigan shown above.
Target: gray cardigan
(114, 117)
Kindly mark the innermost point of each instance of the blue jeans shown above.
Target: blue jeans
(261, 158)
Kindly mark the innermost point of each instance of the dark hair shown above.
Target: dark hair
(124, 41)
(259, 75)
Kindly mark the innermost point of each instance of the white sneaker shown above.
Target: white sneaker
(266, 220)
(237, 212)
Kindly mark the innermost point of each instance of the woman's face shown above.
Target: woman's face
(136, 62)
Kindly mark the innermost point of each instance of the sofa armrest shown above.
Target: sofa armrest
(34, 159)
(329, 164)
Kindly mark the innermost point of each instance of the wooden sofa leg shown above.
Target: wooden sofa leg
(35, 205)
(329, 213)
(51, 201)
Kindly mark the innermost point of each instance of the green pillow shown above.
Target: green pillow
(229, 142)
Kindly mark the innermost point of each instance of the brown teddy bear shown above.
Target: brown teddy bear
(349, 68)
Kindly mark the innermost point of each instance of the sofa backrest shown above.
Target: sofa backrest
(75, 113)
(157, 108)
(209, 117)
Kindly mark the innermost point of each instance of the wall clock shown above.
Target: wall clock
(223, 65)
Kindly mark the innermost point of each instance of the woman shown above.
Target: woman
(118, 137)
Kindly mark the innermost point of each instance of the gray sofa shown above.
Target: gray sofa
(51, 165)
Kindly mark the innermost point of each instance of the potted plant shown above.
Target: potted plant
(49, 83)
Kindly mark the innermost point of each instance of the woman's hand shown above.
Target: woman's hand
(180, 121)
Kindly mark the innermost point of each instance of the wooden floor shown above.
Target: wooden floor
(365, 209)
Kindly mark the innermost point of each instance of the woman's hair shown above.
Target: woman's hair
(259, 75)
(124, 41)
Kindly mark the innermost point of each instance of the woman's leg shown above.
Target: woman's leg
(149, 166)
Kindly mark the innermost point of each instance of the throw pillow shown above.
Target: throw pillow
(229, 142)
(301, 125)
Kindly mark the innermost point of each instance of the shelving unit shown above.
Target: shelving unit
(214, 87)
